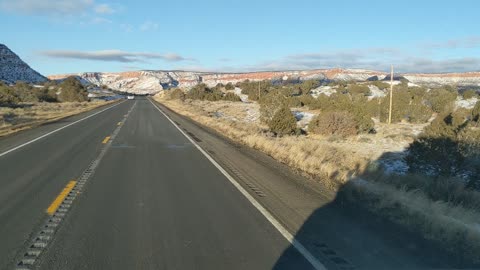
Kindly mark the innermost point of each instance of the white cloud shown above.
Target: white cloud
(114, 56)
(104, 9)
(148, 26)
(100, 20)
(461, 64)
(46, 7)
(465, 42)
(372, 59)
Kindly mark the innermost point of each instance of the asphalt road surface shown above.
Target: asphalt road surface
(128, 188)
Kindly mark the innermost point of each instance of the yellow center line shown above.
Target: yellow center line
(119, 123)
(56, 203)
(106, 140)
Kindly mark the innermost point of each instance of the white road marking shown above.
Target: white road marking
(283, 231)
(56, 130)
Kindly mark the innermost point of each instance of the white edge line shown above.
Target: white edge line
(56, 130)
(284, 232)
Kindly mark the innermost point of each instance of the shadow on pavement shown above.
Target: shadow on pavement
(345, 236)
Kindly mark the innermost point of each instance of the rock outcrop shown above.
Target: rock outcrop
(459, 79)
(151, 82)
(13, 69)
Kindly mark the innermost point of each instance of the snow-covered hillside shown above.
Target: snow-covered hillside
(13, 69)
(153, 81)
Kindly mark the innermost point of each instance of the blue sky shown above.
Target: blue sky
(66, 36)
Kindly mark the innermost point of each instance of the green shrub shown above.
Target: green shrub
(307, 100)
(213, 96)
(306, 86)
(283, 122)
(7, 96)
(45, 95)
(364, 123)
(334, 123)
(255, 90)
(476, 112)
(358, 89)
(24, 92)
(231, 97)
(177, 93)
(199, 91)
(380, 84)
(270, 104)
(229, 86)
(468, 94)
(448, 147)
(294, 102)
(71, 90)
(441, 99)
(409, 104)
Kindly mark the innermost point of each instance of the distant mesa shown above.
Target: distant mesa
(13, 69)
(151, 81)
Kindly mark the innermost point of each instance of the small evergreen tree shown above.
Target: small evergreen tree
(476, 112)
(468, 94)
(71, 90)
(177, 93)
(334, 123)
(283, 122)
(231, 97)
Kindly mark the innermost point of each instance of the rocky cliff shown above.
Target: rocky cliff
(151, 82)
(13, 69)
(459, 79)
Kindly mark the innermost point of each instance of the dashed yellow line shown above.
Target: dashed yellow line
(59, 199)
(106, 140)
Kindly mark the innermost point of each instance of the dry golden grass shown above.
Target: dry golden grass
(454, 227)
(30, 115)
(308, 155)
(336, 161)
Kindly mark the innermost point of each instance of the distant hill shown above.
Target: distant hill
(13, 69)
(151, 81)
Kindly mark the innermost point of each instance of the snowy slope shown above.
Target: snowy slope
(13, 69)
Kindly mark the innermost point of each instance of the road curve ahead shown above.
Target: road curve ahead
(145, 198)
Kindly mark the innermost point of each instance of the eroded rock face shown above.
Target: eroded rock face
(152, 82)
(460, 79)
(13, 69)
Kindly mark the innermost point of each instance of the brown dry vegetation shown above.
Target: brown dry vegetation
(452, 222)
(29, 115)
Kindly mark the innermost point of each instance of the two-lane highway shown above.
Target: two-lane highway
(154, 202)
(33, 175)
(129, 187)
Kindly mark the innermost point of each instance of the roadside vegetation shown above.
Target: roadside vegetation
(438, 195)
(24, 106)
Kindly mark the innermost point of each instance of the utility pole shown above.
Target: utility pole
(391, 96)
(258, 90)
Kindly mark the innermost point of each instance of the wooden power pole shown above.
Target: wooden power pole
(259, 90)
(391, 96)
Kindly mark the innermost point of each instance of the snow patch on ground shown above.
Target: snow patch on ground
(252, 115)
(466, 103)
(303, 118)
(238, 92)
(326, 90)
(394, 82)
(376, 92)
(413, 85)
